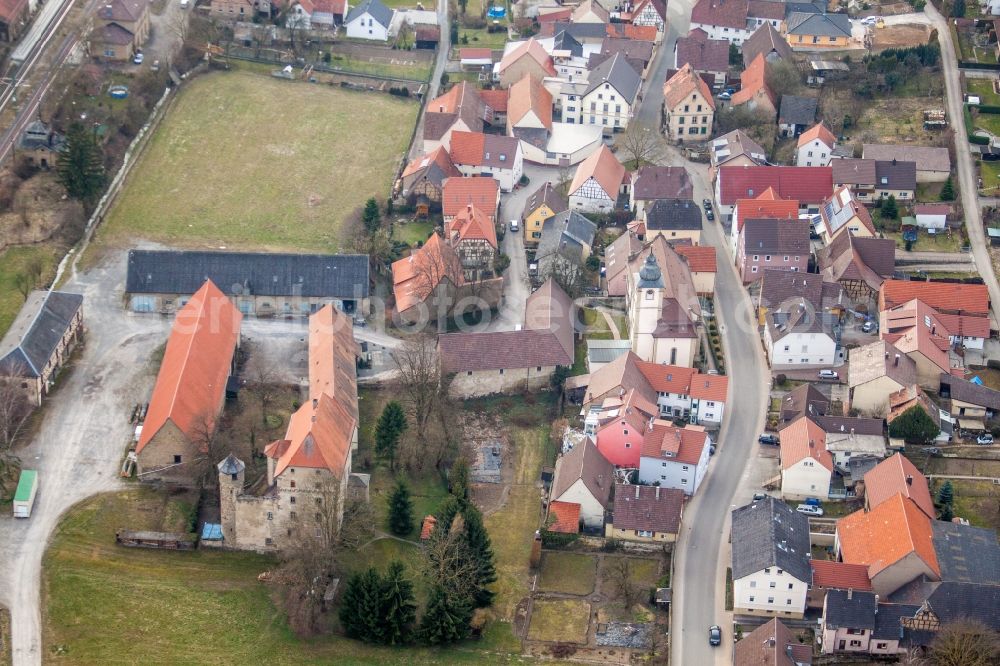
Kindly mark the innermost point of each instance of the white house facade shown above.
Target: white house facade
(798, 349)
(682, 475)
(369, 20)
(806, 478)
(770, 591)
(591, 510)
(814, 153)
(591, 198)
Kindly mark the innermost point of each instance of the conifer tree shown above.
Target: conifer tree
(399, 611)
(946, 494)
(360, 608)
(371, 217)
(889, 208)
(480, 550)
(400, 510)
(446, 619)
(80, 166)
(948, 190)
(389, 428)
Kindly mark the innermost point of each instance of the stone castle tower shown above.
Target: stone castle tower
(231, 479)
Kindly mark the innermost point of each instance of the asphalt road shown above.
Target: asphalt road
(702, 552)
(966, 171)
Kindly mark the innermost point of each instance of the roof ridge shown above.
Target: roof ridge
(34, 320)
(189, 345)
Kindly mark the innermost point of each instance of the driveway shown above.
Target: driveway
(78, 448)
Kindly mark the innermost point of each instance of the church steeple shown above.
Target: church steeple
(650, 276)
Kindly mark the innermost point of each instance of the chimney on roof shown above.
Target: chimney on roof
(657, 493)
(850, 593)
(896, 362)
(909, 480)
(852, 433)
(771, 642)
(637, 492)
(600, 480)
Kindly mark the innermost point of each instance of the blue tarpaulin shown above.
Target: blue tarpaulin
(976, 380)
(211, 532)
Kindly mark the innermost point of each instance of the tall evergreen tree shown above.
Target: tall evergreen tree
(948, 190)
(458, 476)
(946, 494)
(389, 428)
(446, 619)
(480, 550)
(81, 165)
(360, 608)
(947, 513)
(370, 217)
(370, 608)
(400, 510)
(399, 611)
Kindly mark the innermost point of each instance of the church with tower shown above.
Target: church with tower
(664, 311)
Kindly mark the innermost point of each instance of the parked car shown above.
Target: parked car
(812, 501)
(829, 374)
(934, 451)
(725, 95)
(984, 439)
(770, 440)
(715, 635)
(759, 496)
(869, 20)
(709, 215)
(711, 450)
(868, 327)
(514, 225)
(809, 510)
(137, 59)
(706, 204)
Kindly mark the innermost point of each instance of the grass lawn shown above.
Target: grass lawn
(480, 38)
(13, 261)
(102, 601)
(990, 173)
(942, 242)
(572, 573)
(989, 122)
(983, 88)
(412, 233)
(416, 72)
(645, 571)
(978, 502)
(248, 161)
(563, 620)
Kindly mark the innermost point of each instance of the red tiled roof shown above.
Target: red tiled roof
(752, 82)
(808, 185)
(889, 478)
(725, 13)
(481, 191)
(495, 99)
(642, 33)
(470, 224)
(943, 296)
(565, 517)
(803, 439)
(531, 49)
(191, 383)
(683, 83)
(840, 575)
(766, 207)
(700, 258)
(529, 95)
(684, 381)
(686, 444)
(817, 131)
(887, 534)
(415, 277)
(604, 167)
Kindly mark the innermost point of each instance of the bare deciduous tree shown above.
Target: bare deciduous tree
(641, 144)
(262, 375)
(623, 581)
(205, 435)
(447, 562)
(567, 273)
(419, 379)
(431, 270)
(15, 408)
(965, 643)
